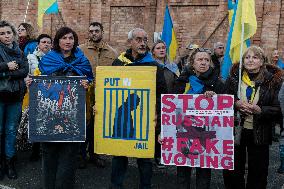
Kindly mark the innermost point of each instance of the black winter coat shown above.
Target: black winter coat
(268, 102)
(13, 54)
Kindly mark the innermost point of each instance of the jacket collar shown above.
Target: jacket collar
(93, 45)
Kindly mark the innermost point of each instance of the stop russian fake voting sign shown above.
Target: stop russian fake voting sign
(198, 131)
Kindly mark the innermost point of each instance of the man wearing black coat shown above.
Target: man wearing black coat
(138, 55)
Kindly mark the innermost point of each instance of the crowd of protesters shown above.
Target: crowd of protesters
(196, 71)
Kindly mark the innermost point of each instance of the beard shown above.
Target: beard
(96, 40)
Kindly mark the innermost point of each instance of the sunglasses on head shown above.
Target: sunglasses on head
(203, 50)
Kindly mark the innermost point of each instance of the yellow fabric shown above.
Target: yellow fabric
(130, 78)
(245, 14)
(43, 5)
(124, 59)
(173, 47)
(248, 82)
(26, 97)
(231, 13)
(248, 123)
(187, 87)
(90, 101)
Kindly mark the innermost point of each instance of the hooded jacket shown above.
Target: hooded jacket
(269, 87)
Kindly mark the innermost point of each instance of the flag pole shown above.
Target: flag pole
(241, 61)
(27, 8)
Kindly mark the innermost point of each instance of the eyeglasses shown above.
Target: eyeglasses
(20, 30)
(140, 39)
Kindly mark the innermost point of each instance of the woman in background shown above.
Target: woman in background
(27, 38)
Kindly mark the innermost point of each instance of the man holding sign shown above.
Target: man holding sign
(137, 55)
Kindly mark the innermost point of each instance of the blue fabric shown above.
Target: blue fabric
(196, 85)
(54, 61)
(30, 48)
(249, 92)
(172, 67)
(280, 63)
(146, 59)
(52, 9)
(11, 113)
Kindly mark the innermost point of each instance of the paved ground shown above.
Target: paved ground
(92, 177)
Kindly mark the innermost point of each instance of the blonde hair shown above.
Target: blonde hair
(261, 55)
(258, 52)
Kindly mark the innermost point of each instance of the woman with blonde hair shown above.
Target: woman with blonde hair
(13, 69)
(258, 106)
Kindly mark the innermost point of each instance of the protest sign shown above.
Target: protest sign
(125, 111)
(57, 109)
(198, 131)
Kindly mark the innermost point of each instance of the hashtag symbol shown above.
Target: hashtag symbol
(167, 143)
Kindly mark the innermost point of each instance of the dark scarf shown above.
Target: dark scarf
(22, 42)
(198, 84)
(10, 54)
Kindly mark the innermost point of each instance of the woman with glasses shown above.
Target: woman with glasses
(27, 38)
(198, 77)
(13, 70)
(257, 107)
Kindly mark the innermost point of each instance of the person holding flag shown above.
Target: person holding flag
(243, 25)
(257, 106)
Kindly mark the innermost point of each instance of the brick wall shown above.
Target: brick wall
(198, 21)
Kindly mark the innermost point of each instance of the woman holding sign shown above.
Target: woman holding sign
(66, 59)
(199, 77)
(257, 107)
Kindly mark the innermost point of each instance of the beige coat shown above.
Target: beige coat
(100, 54)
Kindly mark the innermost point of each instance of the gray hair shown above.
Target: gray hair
(4, 23)
(218, 44)
(131, 33)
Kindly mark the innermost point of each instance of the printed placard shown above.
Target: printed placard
(57, 109)
(198, 131)
(125, 111)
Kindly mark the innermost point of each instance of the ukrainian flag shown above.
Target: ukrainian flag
(243, 11)
(46, 7)
(168, 35)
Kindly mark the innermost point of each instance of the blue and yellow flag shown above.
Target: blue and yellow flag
(243, 11)
(168, 35)
(46, 7)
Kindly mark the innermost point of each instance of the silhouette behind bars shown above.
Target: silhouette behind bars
(123, 121)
